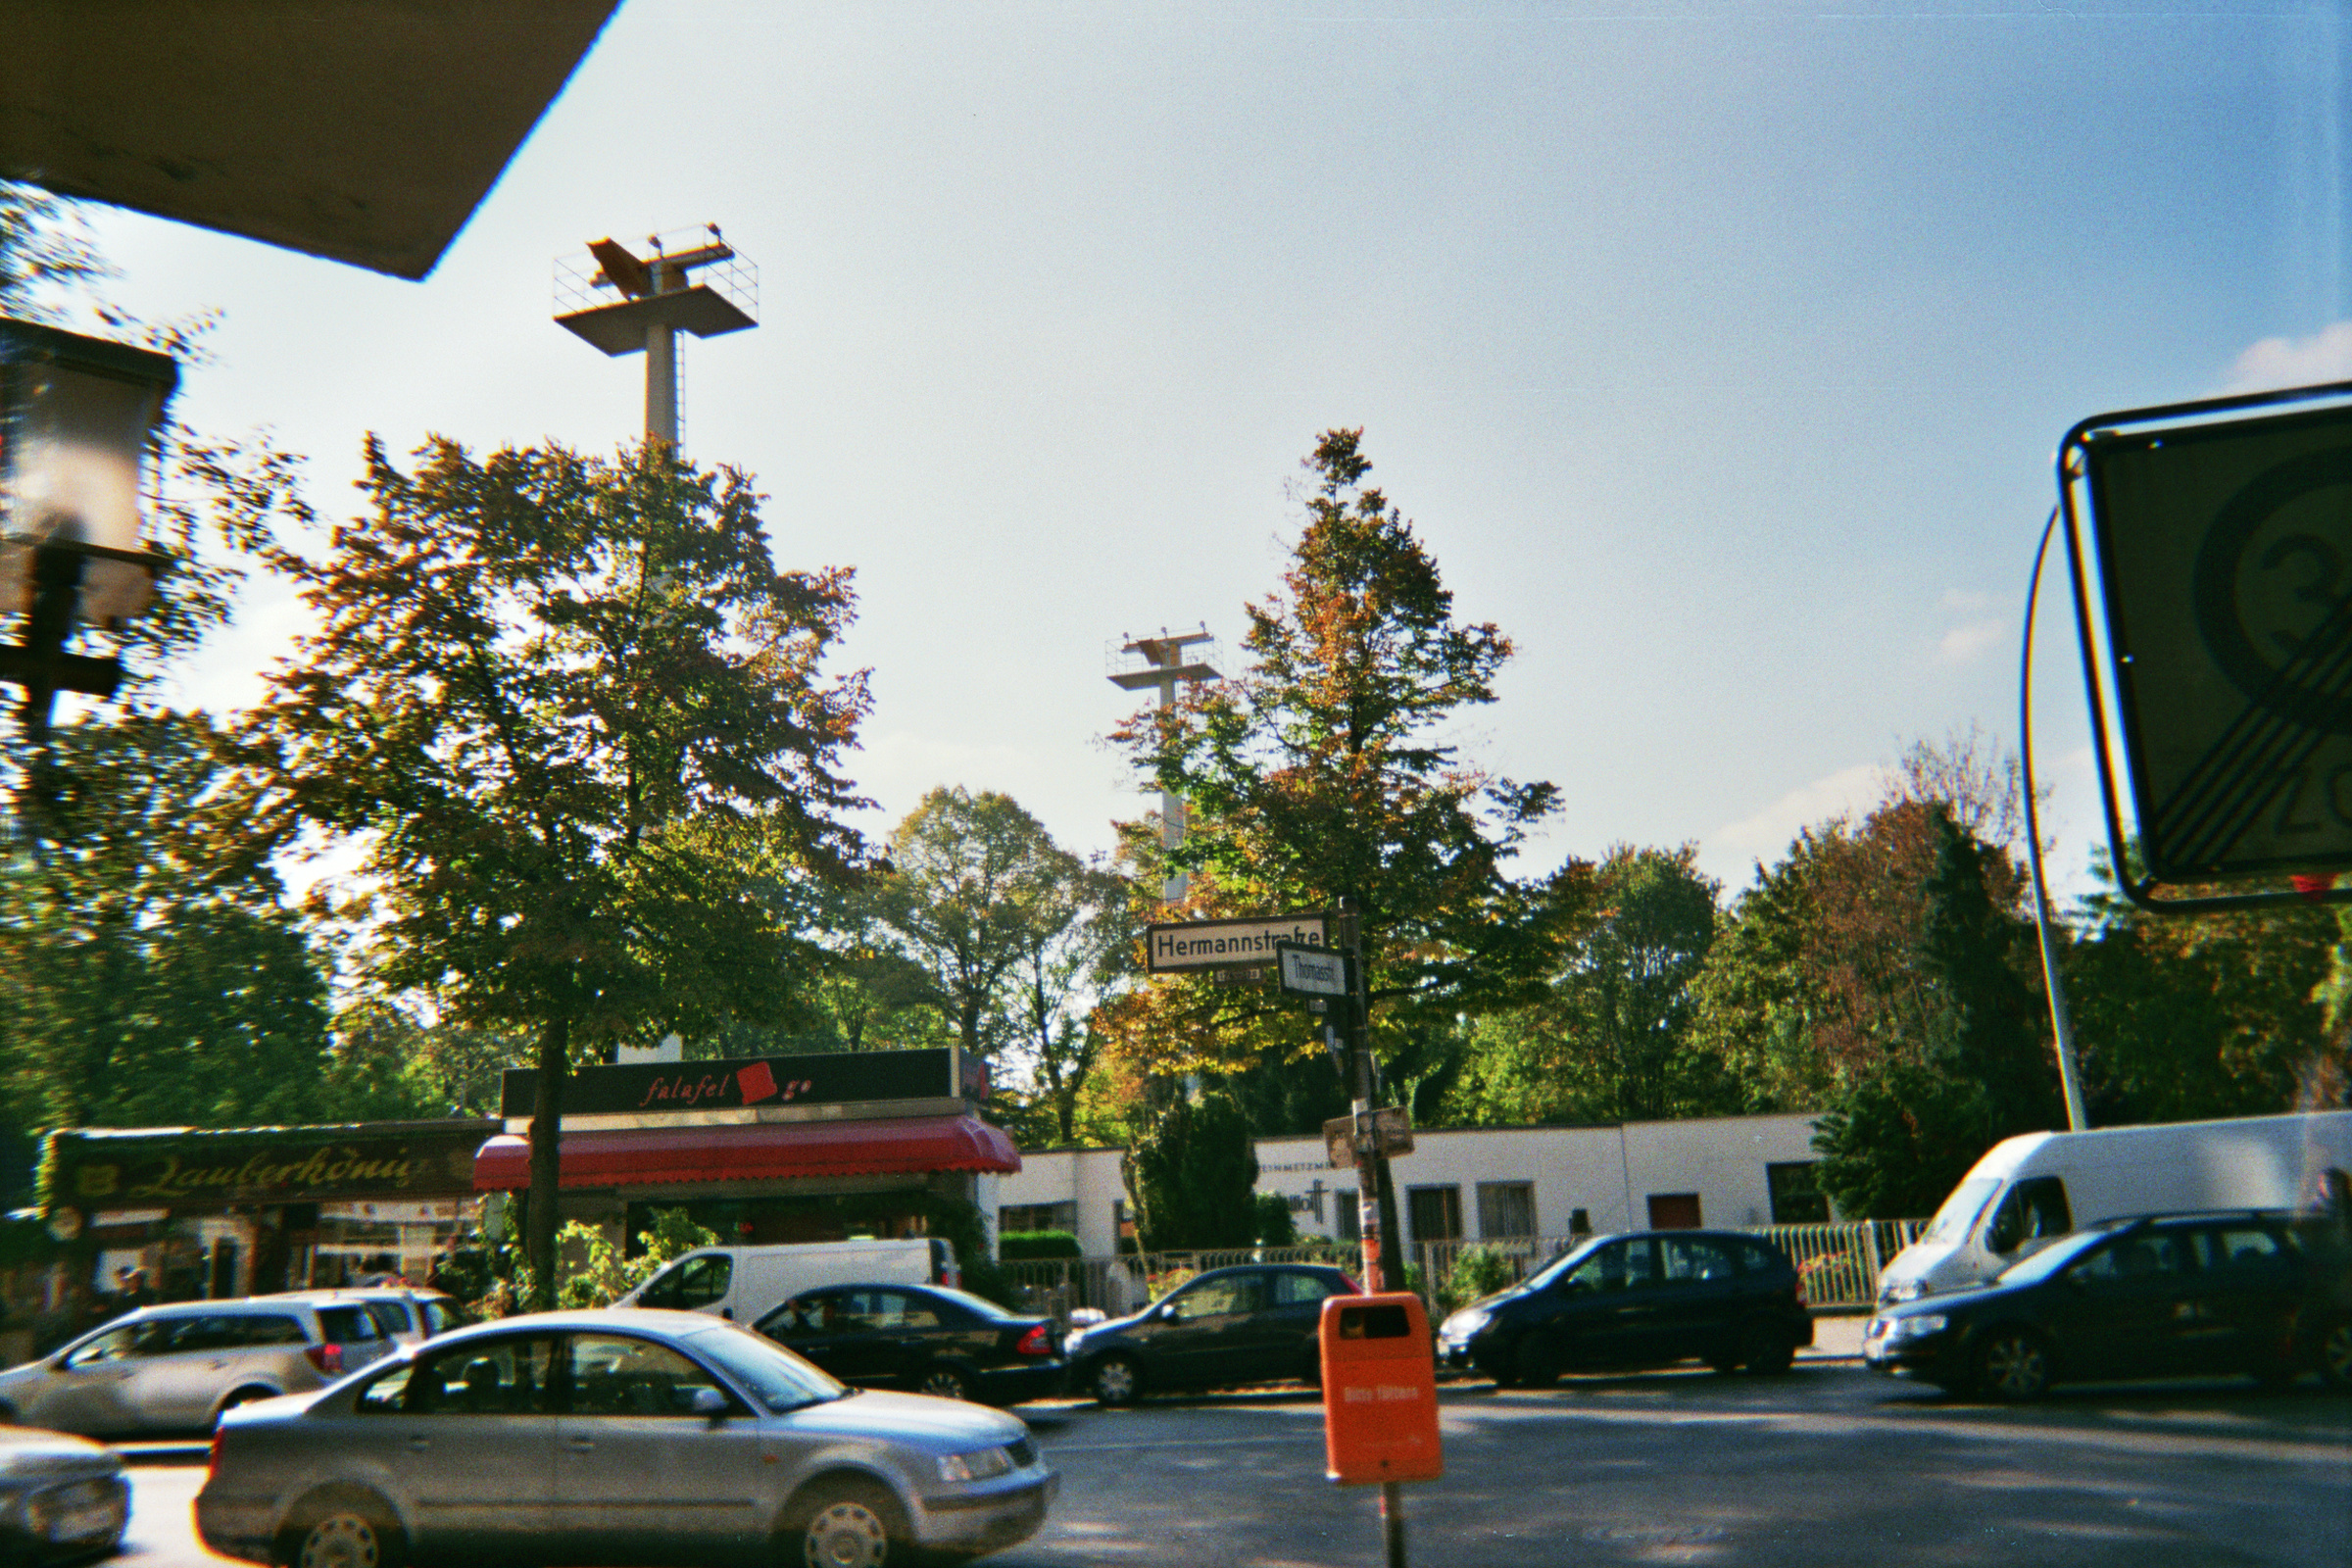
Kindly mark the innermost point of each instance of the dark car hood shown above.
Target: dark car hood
(31, 1452)
(1960, 1300)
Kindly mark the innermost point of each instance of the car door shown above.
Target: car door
(469, 1431)
(2248, 1287)
(1282, 1333)
(1602, 1312)
(87, 1387)
(1698, 1300)
(811, 1326)
(903, 1330)
(2127, 1308)
(640, 1476)
(1199, 1339)
(173, 1387)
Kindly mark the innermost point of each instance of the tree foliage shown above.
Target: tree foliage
(578, 720)
(1191, 1172)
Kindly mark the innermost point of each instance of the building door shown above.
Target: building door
(1674, 1211)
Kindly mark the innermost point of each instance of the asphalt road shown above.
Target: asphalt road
(1829, 1465)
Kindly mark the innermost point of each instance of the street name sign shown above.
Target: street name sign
(1193, 945)
(1312, 971)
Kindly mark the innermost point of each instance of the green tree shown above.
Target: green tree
(577, 716)
(1191, 1173)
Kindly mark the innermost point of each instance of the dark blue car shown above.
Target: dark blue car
(1228, 1327)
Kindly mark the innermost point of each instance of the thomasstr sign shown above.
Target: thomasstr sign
(179, 1167)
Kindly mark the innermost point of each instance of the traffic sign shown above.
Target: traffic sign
(1193, 945)
(1312, 971)
(2224, 565)
(1386, 1130)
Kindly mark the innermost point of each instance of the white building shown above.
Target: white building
(1477, 1184)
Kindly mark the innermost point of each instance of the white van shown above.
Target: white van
(744, 1282)
(2029, 1190)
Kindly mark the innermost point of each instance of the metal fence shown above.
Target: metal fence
(1838, 1263)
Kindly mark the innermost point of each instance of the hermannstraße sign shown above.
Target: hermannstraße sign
(1226, 943)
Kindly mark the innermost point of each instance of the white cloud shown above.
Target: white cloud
(1964, 643)
(2276, 361)
(1767, 834)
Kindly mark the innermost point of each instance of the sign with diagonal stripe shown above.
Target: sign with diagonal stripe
(2226, 563)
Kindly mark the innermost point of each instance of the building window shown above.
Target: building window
(1796, 1195)
(1674, 1211)
(1347, 1215)
(1015, 1218)
(1437, 1213)
(1506, 1209)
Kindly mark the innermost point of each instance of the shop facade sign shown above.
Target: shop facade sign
(762, 1088)
(183, 1168)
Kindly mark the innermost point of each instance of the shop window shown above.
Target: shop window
(1796, 1195)
(1015, 1218)
(1674, 1211)
(1437, 1213)
(1506, 1209)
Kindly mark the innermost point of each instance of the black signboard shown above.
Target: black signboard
(181, 1168)
(833, 1078)
(2224, 559)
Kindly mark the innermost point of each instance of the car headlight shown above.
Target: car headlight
(1917, 1327)
(1467, 1322)
(986, 1465)
(1905, 1291)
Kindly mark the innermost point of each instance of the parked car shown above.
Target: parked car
(176, 1368)
(2176, 1296)
(1637, 1301)
(60, 1497)
(1230, 1325)
(408, 1315)
(747, 1283)
(615, 1436)
(930, 1339)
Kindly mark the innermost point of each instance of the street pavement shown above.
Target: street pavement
(1826, 1466)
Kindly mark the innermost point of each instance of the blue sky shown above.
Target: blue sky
(1717, 351)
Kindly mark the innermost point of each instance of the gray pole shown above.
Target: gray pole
(662, 365)
(2054, 978)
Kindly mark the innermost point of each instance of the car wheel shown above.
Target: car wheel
(1537, 1363)
(847, 1524)
(2335, 1354)
(1115, 1380)
(2013, 1367)
(944, 1383)
(1765, 1350)
(343, 1530)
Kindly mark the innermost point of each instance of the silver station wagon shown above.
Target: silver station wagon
(176, 1368)
(616, 1436)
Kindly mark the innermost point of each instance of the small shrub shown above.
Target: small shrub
(1019, 1247)
(1478, 1271)
(1275, 1225)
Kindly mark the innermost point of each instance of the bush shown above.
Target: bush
(604, 1275)
(1275, 1225)
(1015, 1246)
(1478, 1271)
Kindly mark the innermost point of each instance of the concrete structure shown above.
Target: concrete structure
(1478, 1184)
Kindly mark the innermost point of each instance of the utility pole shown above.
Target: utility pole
(632, 303)
(1164, 668)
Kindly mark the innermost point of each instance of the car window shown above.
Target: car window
(2241, 1252)
(484, 1377)
(1619, 1266)
(692, 1282)
(2135, 1258)
(803, 1317)
(122, 1344)
(2035, 1210)
(776, 1378)
(270, 1328)
(1230, 1293)
(390, 1316)
(1698, 1257)
(880, 1311)
(442, 1317)
(212, 1332)
(347, 1325)
(1958, 1216)
(1762, 1257)
(618, 1374)
(1301, 1290)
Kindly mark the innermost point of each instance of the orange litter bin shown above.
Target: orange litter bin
(1380, 1390)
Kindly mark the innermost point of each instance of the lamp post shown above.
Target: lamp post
(77, 418)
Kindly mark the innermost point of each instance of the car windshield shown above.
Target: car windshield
(777, 1379)
(1960, 1210)
(1562, 1265)
(2049, 1260)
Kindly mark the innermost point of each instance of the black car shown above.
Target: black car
(1638, 1300)
(2178, 1295)
(923, 1337)
(1228, 1327)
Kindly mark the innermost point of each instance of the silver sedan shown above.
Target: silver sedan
(616, 1436)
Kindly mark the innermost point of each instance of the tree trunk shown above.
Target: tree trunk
(547, 1133)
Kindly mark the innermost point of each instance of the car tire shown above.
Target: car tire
(1115, 1380)
(944, 1381)
(1765, 1350)
(342, 1528)
(846, 1523)
(1537, 1363)
(2013, 1366)
(2335, 1354)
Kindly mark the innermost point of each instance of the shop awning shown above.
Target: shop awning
(768, 1152)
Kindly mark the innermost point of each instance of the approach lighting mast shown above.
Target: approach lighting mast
(691, 280)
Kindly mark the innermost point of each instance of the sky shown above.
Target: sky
(1718, 352)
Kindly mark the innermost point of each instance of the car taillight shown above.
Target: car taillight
(325, 1357)
(211, 1459)
(1037, 1341)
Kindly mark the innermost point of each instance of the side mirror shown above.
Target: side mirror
(727, 1312)
(711, 1405)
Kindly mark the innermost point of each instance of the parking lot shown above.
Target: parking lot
(1829, 1464)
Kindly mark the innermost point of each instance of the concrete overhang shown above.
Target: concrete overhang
(362, 130)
